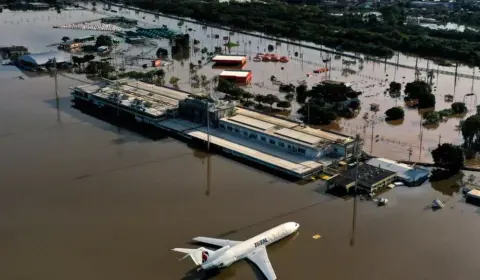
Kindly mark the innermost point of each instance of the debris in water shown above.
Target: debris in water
(437, 204)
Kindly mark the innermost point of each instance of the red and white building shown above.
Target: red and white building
(237, 76)
(230, 60)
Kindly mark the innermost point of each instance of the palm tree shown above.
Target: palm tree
(204, 81)
(417, 74)
(215, 80)
(192, 68)
(430, 76)
(174, 81)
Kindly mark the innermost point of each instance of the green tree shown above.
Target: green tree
(316, 115)
(431, 118)
(449, 156)
(289, 96)
(160, 74)
(271, 99)
(354, 104)
(284, 104)
(88, 57)
(416, 89)
(65, 39)
(104, 40)
(426, 101)
(395, 113)
(301, 91)
(247, 95)
(174, 81)
(459, 108)
(392, 15)
(395, 87)
(471, 130)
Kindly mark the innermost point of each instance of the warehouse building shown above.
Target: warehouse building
(38, 61)
(410, 176)
(229, 60)
(370, 178)
(147, 103)
(12, 52)
(288, 136)
(237, 76)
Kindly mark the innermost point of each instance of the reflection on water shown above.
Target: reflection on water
(449, 186)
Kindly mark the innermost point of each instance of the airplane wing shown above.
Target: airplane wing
(260, 258)
(216, 241)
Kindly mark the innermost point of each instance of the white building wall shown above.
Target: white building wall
(266, 139)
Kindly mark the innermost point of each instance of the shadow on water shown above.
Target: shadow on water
(193, 274)
(118, 121)
(448, 186)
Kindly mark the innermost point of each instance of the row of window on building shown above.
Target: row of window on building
(253, 135)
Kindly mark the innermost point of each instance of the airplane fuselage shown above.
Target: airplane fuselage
(230, 254)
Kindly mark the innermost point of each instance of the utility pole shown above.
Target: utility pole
(207, 192)
(410, 152)
(55, 77)
(439, 139)
(371, 144)
(354, 218)
(421, 139)
(208, 125)
(308, 110)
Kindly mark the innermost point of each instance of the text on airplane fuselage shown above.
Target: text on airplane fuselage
(261, 242)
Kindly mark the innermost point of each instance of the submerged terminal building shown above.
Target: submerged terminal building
(286, 146)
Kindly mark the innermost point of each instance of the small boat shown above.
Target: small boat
(265, 58)
(283, 59)
(382, 201)
(274, 58)
(257, 59)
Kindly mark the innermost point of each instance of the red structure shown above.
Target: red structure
(237, 76)
(230, 60)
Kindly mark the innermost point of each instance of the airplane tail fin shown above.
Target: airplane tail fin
(199, 255)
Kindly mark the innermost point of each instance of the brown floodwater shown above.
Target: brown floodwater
(83, 199)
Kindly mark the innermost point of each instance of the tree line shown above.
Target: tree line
(350, 32)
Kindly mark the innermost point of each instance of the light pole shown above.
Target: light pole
(354, 216)
(55, 77)
(421, 138)
(208, 124)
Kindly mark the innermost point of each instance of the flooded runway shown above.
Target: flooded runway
(83, 199)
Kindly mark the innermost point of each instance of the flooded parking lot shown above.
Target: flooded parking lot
(81, 198)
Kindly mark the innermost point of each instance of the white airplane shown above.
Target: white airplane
(231, 251)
